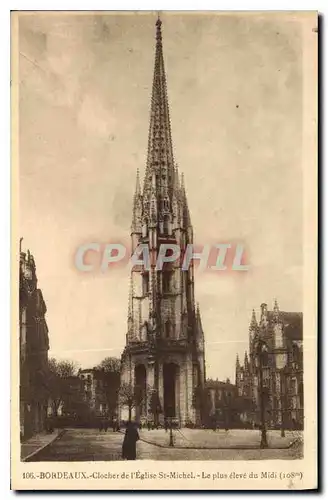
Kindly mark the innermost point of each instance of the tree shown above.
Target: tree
(130, 396)
(63, 369)
(60, 382)
(110, 365)
(111, 390)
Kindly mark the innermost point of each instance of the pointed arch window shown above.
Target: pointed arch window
(166, 203)
(167, 281)
(145, 283)
(168, 329)
(167, 225)
(145, 227)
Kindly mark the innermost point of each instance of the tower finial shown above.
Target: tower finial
(158, 28)
(276, 311)
(138, 189)
(246, 359)
(253, 323)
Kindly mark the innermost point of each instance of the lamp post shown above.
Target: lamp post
(282, 400)
(171, 433)
(260, 350)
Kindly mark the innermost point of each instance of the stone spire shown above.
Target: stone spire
(246, 362)
(276, 311)
(163, 321)
(237, 372)
(253, 324)
(253, 331)
(159, 177)
(264, 314)
(185, 208)
(199, 329)
(199, 319)
(137, 208)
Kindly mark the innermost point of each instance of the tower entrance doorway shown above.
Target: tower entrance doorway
(170, 378)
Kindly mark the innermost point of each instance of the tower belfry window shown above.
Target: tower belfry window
(145, 283)
(167, 281)
(167, 225)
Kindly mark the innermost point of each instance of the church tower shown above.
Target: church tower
(163, 361)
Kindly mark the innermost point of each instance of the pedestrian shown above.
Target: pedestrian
(149, 425)
(166, 425)
(129, 448)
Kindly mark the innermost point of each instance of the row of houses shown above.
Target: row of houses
(34, 346)
(90, 392)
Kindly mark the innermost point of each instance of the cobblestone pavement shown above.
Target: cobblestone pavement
(205, 438)
(37, 442)
(83, 445)
(91, 445)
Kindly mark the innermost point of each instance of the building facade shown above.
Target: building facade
(34, 346)
(72, 398)
(100, 391)
(164, 353)
(281, 364)
(222, 407)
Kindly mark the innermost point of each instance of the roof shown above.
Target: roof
(91, 370)
(219, 384)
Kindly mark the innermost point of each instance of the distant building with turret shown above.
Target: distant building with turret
(100, 391)
(34, 346)
(282, 368)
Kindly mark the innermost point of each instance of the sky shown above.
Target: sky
(235, 95)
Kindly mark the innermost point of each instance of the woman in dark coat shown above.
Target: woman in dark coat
(129, 448)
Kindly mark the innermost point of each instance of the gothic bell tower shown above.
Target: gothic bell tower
(164, 354)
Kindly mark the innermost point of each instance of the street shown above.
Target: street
(91, 445)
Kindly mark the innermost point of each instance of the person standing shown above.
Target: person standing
(129, 448)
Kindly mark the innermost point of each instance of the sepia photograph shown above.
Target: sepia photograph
(162, 169)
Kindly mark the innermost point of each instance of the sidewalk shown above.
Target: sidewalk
(37, 442)
(207, 439)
